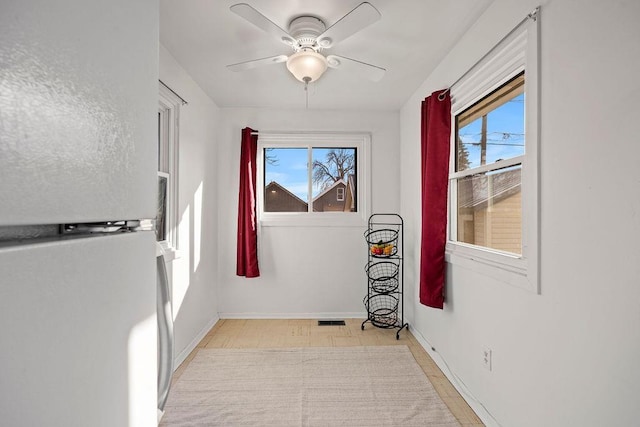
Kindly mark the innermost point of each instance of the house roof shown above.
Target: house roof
(280, 187)
(328, 189)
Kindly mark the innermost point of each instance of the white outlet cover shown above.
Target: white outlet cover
(486, 358)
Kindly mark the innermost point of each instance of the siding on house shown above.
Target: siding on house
(328, 200)
(350, 203)
(279, 199)
(490, 213)
(499, 226)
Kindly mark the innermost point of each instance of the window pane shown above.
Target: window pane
(286, 179)
(161, 215)
(492, 129)
(490, 210)
(334, 179)
(163, 141)
(160, 142)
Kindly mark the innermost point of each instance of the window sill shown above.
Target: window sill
(336, 219)
(167, 251)
(508, 268)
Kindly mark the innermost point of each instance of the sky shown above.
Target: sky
(289, 170)
(505, 133)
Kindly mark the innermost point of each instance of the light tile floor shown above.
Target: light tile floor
(236, 333)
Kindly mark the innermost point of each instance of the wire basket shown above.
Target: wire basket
(382, 242)
(382, 310)
(383, 276)
(381, 236)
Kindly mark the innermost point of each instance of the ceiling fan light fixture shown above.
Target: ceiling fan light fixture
(307, 65)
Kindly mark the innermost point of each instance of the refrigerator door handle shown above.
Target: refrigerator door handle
(165, 334)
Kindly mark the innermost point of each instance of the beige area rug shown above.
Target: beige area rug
(318, 386)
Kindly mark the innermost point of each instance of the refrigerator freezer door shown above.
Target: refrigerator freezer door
(78, 111)
(79, 332)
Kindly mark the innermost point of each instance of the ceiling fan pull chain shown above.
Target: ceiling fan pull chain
(306, 91)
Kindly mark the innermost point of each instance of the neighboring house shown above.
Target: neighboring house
(489, 211)
(336, 198)
(339, 197)
(279, 199)
(351, 201)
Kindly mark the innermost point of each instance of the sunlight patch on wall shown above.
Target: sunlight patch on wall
(197, 226)
(141, 360)
(181, 273)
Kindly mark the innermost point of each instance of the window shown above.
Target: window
(166, 218)
(493, 194)
(489, 143)
(312, 179)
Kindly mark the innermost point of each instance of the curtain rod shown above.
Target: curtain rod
(295, 133)
(184, 102)
(531, 16)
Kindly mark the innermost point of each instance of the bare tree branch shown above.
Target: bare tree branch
(338, 165)
(271, 158)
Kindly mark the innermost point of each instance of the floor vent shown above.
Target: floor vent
(331, 323)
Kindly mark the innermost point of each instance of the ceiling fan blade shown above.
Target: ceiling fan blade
(362, 16)
(369, 71)
(247, 65)
(259, 20)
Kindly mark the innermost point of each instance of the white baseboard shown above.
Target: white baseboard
(348, 315)
(475, 404)
(178, 359)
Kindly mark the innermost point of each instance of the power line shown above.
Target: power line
(505, 135)
(493, 143)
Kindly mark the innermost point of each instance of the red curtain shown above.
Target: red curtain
(247, 256)
(435, 137)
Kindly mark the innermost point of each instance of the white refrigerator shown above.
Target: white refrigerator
(78, 145)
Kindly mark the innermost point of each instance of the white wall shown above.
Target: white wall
(194, 272)
(569, 356)
(305, 271)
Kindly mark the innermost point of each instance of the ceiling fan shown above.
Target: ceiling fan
(308, 35)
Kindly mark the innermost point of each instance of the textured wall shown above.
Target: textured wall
(77, 130)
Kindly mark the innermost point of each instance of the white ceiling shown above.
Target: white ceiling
(408, 41)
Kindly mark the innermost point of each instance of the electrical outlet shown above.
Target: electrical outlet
(486, 358)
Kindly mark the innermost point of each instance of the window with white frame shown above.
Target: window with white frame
(493, 191)
(489, 140)
(167, 214)
(312, 178)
